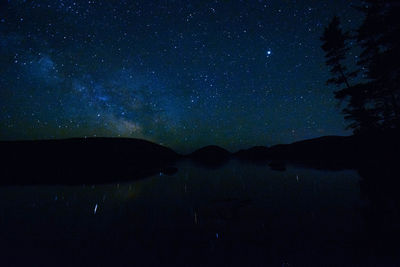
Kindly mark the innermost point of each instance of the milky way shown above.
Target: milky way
(180, 73)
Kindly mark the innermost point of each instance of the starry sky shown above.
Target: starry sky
(179, 73)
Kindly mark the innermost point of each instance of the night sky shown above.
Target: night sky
(180, 73)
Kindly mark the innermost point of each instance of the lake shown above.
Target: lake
(240, 214)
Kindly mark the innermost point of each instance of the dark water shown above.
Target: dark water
(241, 214)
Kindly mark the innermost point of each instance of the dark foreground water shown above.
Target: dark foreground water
(241, 214)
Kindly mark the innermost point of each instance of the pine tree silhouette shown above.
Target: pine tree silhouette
(373, 102)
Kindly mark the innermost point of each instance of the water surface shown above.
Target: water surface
(241, 214)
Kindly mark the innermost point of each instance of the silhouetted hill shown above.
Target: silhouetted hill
(81, 160)
(105, 160)
(338, 149)
(326, 147)
(210, 155)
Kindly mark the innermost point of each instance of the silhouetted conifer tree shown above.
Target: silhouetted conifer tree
(335, 47)
(373, 103)
(380, 59)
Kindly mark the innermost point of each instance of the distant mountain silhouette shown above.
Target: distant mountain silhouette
(109, 160)
(82, 160)
(351, 150)
(210, 155)
(326, 147)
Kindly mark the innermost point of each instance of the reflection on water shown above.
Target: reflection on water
(241, 214)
